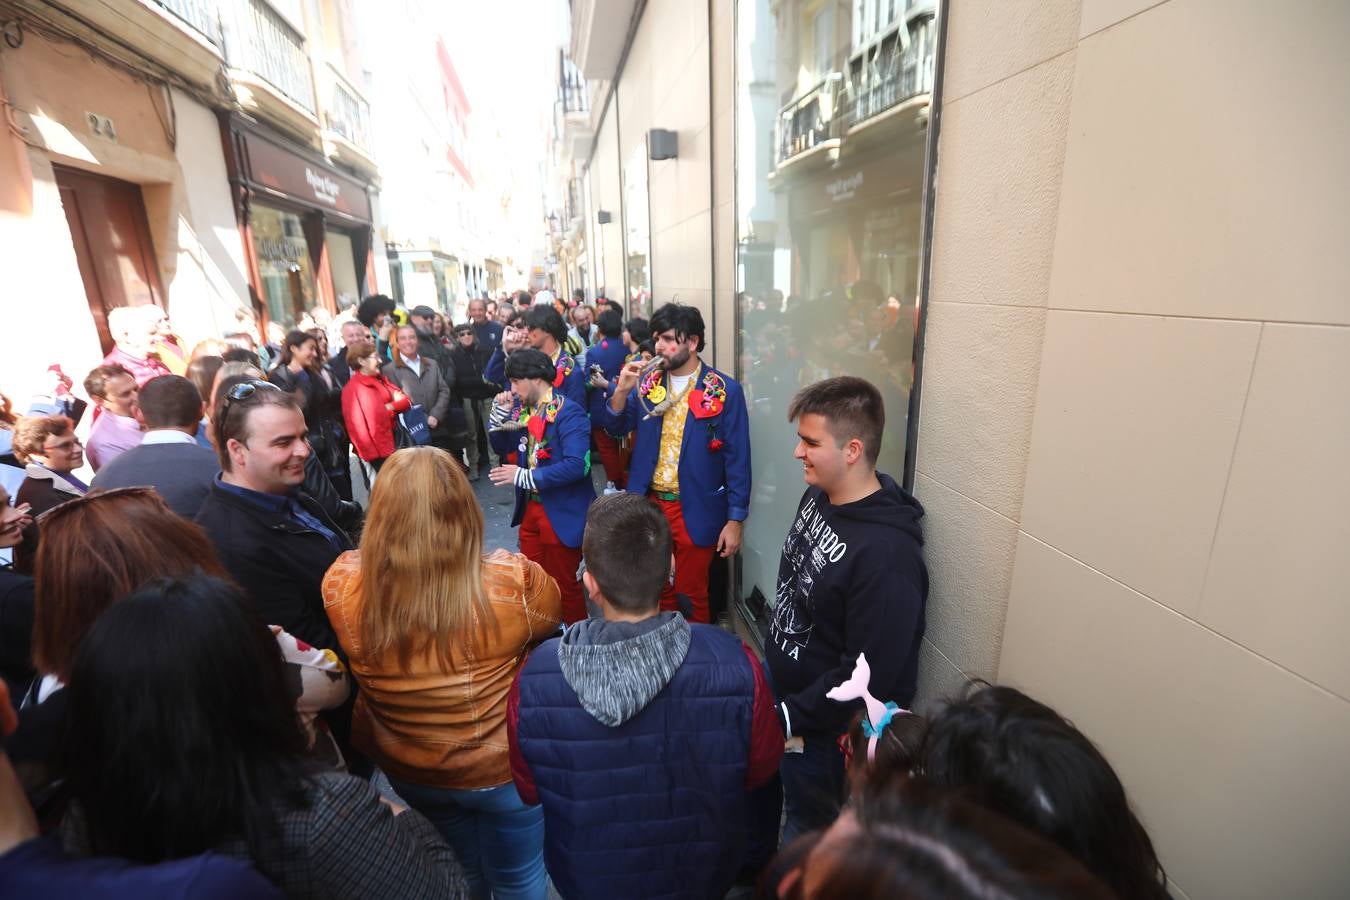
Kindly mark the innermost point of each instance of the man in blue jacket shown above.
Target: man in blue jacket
(544, 331)
(609, 353)
(692, 451)
(646, 739)
(550, 436)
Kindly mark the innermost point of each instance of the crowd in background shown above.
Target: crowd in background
(226, 673)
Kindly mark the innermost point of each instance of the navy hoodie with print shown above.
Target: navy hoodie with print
(851, 580)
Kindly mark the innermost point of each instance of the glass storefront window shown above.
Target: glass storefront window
(831, 127)
(637, 233)
(342, 261)
(283, 263)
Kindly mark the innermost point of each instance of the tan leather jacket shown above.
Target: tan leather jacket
(428, 725)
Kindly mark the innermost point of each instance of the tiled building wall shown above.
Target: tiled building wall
(665, 84)
(1135, 418)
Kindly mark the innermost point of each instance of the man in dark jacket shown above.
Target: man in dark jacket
(423, 319)
(851, 580)
(475, 393)
(643, 736)
(274, 539)
(169, 459)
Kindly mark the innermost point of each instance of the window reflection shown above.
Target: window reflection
(283, 263)
(831, 124)
(637, 237)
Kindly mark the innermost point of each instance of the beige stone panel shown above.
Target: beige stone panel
(1279, 576)
(1234, 765)
(693, 174)
(724, 160)
(667, 262)
(1136, 421)
(723, 51)
(939, 677)
(1000, 158)
(724, 249)
(969, 551)
(697, 243)
(988, 42)
(1205, 172)
(1099, 14)
(981, 367)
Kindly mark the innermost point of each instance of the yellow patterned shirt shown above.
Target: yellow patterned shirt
(666, 478)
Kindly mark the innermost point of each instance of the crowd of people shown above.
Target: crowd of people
(230, 678)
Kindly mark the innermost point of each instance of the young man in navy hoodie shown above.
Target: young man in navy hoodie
(646, 738)
(851, 580)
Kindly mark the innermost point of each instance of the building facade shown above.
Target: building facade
(143, 163)
(1099, 292)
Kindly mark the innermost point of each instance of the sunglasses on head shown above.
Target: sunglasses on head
(243, 391)
(92, 497)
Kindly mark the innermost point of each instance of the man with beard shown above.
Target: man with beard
(692, 450)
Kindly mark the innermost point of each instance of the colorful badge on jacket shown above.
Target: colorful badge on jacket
(706, 400)
(565, 366)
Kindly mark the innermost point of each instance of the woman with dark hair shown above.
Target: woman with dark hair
(180, 738)
(1022, 759)
(301, 372)
(904, 840)
(105, 545)
(435, 631)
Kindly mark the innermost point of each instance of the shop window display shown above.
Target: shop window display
(831, 132)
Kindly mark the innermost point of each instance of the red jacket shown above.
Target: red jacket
(370, 424)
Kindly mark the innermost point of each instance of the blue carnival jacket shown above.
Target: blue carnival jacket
(610, 355)
(656, 806)
(563, 479)
(570, 380)
(714, 456)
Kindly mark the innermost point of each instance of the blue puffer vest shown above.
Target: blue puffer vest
(655, 807)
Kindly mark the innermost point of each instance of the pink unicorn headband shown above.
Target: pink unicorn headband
(877, 715)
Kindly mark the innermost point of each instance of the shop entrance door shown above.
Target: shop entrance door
(111, 235)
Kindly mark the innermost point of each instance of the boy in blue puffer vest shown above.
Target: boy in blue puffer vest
(643, 736)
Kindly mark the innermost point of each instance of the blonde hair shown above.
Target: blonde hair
(422, 561)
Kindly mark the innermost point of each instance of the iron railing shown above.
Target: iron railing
(347, 113)
(810, 119)
(200, 14)
(571, 87)
(896, 67)
(268, 46)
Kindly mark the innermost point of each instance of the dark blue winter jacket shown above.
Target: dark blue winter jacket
(644, 771)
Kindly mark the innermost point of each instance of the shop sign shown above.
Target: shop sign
(279, 169)
(281, 249)
(842, 189)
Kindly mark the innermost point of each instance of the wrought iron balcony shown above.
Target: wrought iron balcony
(572, 92)
(810, 119)
(266, 45)
(347, 113)
(895, 67)
(202, 15)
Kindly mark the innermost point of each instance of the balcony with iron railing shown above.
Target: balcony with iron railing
(202, 15)
(347, 113)
(572, 88)
(810, 120)
(895, 67)
(269, 66)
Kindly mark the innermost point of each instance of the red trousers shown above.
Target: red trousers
(611, 457)
(540, 544)
(691, 564)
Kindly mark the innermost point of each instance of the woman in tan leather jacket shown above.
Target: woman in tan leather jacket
(434, 633)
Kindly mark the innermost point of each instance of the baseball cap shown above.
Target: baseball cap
(544, 297)
(423, 312)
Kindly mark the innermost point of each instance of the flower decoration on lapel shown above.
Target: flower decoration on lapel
(565, 366)
(707, 400)
(715, 443)
(542, 453)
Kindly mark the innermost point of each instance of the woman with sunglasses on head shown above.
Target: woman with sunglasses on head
(179, 739)
(50, 452)
(370, 403)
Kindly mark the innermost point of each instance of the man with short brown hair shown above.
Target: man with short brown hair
(851, 580)
(116, 430)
